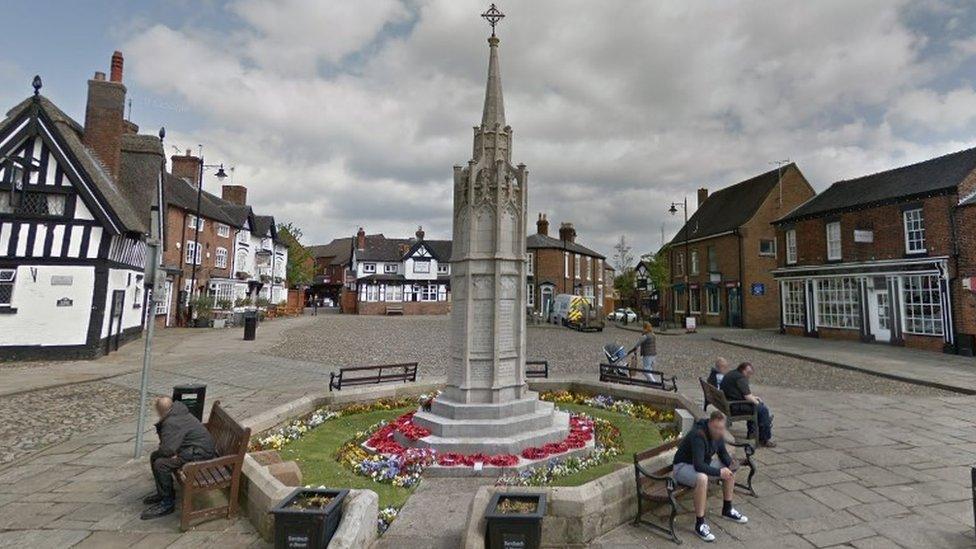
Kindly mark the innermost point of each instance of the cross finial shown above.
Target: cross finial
(493, 16)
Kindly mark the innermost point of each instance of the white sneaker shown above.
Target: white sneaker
(735, 516)
(705, 533)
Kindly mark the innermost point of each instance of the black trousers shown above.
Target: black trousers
(163, 468)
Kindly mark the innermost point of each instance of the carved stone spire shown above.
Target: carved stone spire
(494, 113)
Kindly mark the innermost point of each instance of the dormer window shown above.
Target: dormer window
(443, 269)
(369, 267)
(391, 268)
(422, 267)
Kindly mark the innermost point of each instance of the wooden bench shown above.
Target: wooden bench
(368, 375)
(628, 375)
(537, 372)
(394, 309)
(657, 486)
(716, 398)
(231, 441)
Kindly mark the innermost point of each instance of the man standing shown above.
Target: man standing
(735, 385)
(647, 344)
(701, 457)
(182, 439)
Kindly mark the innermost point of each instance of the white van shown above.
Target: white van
(560, 309)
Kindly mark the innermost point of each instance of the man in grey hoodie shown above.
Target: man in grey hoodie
(182, 439)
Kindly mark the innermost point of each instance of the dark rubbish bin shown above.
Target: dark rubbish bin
(193, 395)
(515, 521)
(250, 325)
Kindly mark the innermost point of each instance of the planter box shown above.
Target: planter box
(514, 530)
(307, 528)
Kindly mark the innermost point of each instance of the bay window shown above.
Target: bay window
(794, 311)
(838, 305)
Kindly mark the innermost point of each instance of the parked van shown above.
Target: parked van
(577, 312)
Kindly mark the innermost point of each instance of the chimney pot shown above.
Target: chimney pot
(702, 196)
(100, 76)
(567, 233)
(187, 167)
(361, 239)
(542, 225)
(420, 233)
(117, 66)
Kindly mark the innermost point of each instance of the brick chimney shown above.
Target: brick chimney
(104, 117)
(361, 239)
(702, 196)
(567, 233)
(235, 194)
(186, 166)
(420, 233)
(542, 225)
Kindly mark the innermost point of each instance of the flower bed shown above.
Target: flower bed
(607, 402)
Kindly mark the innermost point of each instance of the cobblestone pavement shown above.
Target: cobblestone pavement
(855, 460)
(32, 421)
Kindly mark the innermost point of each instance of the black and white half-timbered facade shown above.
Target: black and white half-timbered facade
(72, 245)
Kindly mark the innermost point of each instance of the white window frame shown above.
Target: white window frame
(679, 264)
(428, 292)
(190, 218)
(192, 252)
(443, 268)
(599, 269)
(530, 262)
(223, 230)
(791, 255)
(914, 223)
(838, 303)
(220, 258)
(369, 268)
(589, 268)
(694, 262)
(163, 299)
(768, 253)
(921, 305)
(794, 308)
(679, 299)
(576, 265)
(530, 294)
(421, 267)
(394, 292)
(391, 268)
(566, 264)
(835, 250)
(709, 292)
(8, 277)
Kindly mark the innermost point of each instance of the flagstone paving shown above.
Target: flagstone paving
(862, 462)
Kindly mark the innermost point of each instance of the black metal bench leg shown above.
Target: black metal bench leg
(674, 514)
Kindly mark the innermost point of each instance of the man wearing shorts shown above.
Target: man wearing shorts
(702, 457)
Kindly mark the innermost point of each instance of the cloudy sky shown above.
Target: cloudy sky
(338, 114)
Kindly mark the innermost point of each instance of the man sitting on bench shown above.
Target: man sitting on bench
(182, 438)
(735, 385)
(702, 457)
(718, 372)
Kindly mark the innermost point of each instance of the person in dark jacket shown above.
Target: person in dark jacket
(702, 456)
(718, 372)
(182, 439)
(735, 386)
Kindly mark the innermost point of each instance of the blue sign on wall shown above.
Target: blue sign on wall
(758, 288)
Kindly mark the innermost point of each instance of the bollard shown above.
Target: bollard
(250, 325)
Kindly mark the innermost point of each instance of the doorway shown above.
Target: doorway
(735, 307)
(115, 321)
(879, 309)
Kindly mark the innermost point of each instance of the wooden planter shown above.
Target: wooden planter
(507, 529)
(310, 528)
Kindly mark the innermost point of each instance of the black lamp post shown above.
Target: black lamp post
(673, 210)
(221, 175)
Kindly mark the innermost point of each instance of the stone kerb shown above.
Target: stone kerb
(260, 490)
(579, 514)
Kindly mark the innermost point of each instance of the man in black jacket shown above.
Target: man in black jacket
(735, 386)
(182, 439)
(701, 457)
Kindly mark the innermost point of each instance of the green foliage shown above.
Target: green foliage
(626, 285)
(224, 304)
(657, 266)
(242, 302)
(262, 303)
(301, 265)
(202, 306)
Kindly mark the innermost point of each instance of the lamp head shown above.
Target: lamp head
(221, 174)
(673, 209)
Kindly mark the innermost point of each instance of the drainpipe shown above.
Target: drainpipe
(742, 282)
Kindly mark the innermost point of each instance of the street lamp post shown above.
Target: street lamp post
(221, 175)
(673, 210)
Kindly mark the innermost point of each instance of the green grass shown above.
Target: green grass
(635, 435)
(315, 453)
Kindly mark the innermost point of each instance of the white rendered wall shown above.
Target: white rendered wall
(38, 320)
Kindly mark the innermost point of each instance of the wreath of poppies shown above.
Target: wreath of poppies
(382, 441)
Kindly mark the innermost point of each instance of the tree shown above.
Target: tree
(626, 285)
(301, 264)
(657, 269)
(623, 258)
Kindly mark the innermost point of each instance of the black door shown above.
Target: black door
(115, 321)
(735, 307)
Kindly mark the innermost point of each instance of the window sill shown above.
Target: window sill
(8, 310)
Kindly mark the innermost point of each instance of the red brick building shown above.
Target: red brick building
(881, 258)
(965, 296)
(562, 266)
(720, 261)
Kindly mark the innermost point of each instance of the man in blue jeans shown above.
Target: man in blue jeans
(735, 385)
